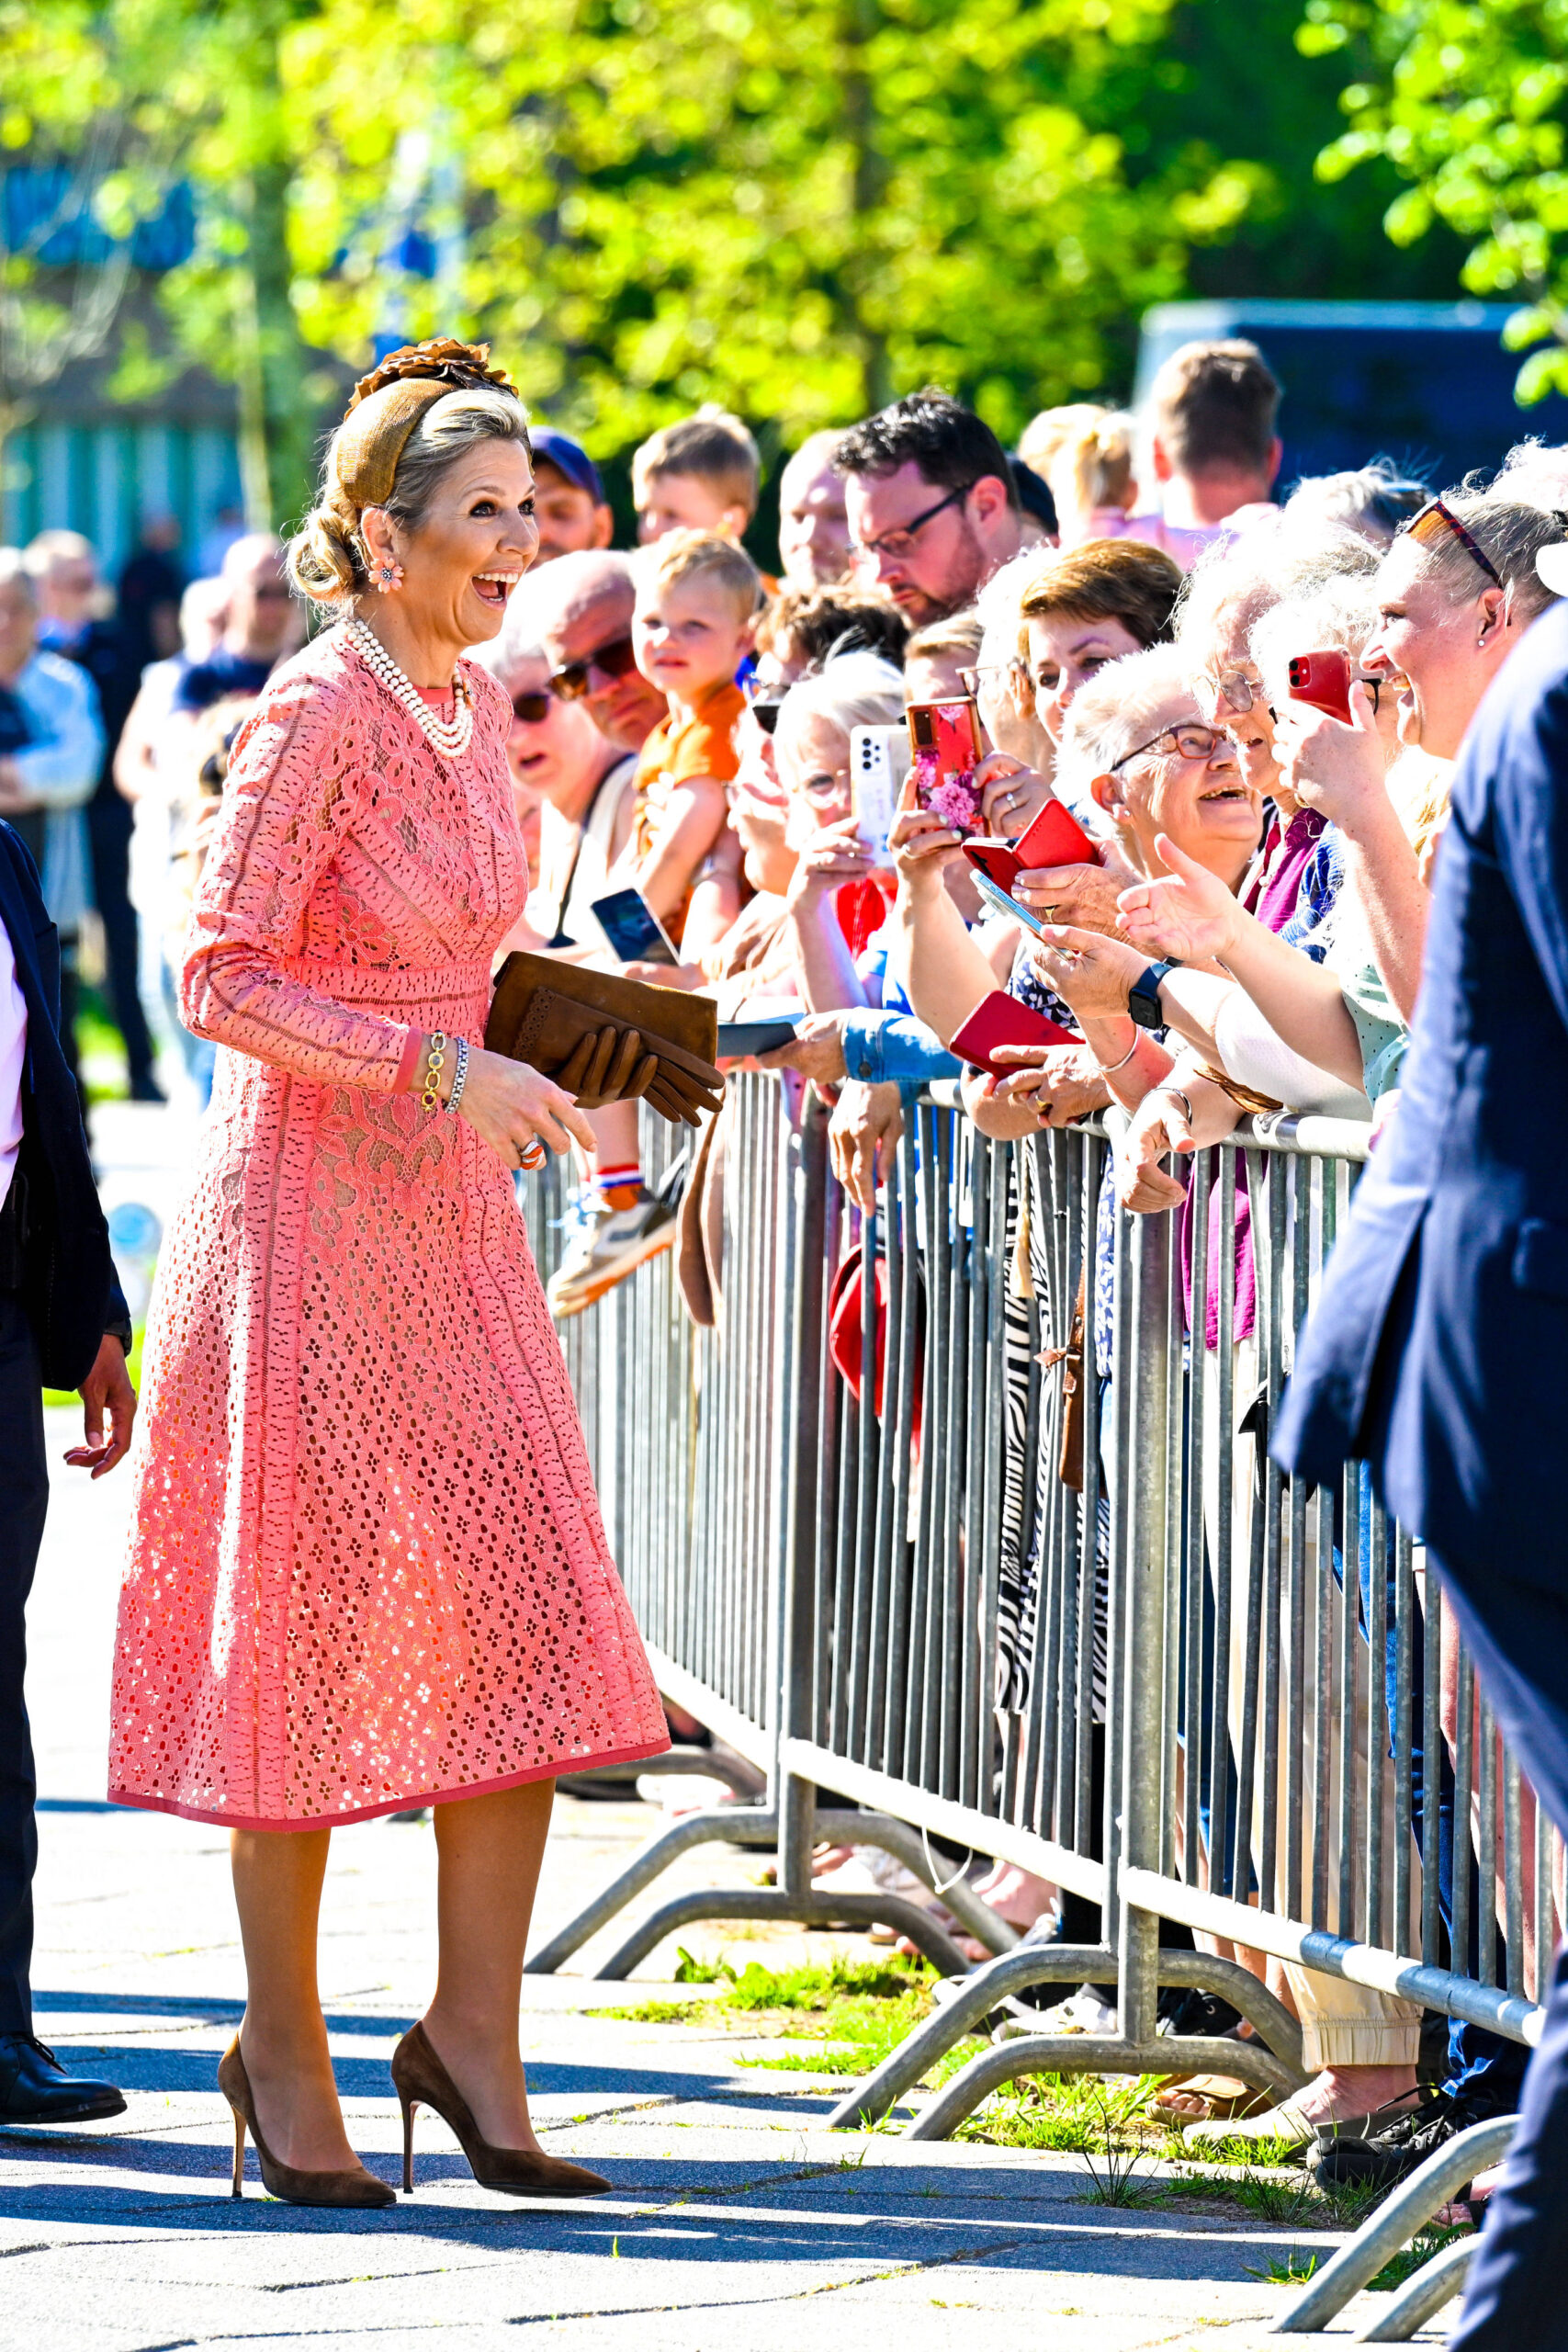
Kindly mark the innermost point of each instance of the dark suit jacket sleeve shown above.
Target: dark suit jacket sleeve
(1529, 800)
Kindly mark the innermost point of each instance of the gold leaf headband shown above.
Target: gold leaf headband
(389, 403)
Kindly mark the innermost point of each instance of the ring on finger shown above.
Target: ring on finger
(531, 1154)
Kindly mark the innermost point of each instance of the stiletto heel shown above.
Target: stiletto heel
(287, 2181)
(423, 2080)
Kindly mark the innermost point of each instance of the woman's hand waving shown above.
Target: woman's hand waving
(1187, 914)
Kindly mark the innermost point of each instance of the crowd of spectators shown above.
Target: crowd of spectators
(1123, 600)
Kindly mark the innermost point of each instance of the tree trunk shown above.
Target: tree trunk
(862, 20)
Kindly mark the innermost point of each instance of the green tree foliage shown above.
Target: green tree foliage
(792, 206)
(1465, 100)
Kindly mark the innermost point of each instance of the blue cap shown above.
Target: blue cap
(569, 458)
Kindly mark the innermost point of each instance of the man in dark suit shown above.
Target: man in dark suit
(62, 1324)
(1438, 1350)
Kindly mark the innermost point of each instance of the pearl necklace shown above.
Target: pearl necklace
(451, 738)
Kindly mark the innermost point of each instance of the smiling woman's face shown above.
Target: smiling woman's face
(477, 540)
(1203, 802)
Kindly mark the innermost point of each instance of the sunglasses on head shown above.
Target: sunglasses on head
(1437, 521)
(609, 662)
(531, 708)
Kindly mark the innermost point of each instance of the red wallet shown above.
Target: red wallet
(1001, 1020)
(1056, 838)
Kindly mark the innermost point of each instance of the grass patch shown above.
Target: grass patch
(858, 2010)
(1292, 2269)
(1414, 2257)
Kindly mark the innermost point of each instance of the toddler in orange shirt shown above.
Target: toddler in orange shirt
(697, 596)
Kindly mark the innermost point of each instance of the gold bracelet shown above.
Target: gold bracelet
(430, 1099)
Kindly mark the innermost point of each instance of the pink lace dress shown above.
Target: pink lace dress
(367, 1568)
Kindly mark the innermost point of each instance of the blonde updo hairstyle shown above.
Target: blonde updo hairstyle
(408, 424)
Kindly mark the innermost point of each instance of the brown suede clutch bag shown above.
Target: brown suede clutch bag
(606, 1039)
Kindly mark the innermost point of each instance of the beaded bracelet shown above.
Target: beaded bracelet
(460, 1079)
(430, 1098)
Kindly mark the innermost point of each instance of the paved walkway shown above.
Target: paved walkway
(737, 2223)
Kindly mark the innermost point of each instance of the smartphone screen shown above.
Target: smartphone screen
(634, 931)
(879, 761)
(1006, 906)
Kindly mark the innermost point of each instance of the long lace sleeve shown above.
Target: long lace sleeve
(295, 780)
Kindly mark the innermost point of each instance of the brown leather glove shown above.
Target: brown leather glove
(606, 1039)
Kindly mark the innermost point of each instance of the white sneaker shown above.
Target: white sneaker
(604, 1245)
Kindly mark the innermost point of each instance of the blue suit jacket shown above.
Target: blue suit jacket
(1438, 1349)
(70, 1289)
(1439, 1345)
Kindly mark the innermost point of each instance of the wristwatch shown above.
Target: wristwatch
(1143, 997)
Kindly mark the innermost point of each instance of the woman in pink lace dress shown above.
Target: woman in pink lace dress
(368, 1569)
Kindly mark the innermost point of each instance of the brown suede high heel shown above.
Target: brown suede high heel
(421, 2079)
(295, 2188)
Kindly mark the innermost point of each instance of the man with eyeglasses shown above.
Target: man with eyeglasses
(933, 508)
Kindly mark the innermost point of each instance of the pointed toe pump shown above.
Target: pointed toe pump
(421, 2080)
(286, 2181)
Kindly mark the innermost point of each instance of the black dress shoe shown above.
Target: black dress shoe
(36, 2088)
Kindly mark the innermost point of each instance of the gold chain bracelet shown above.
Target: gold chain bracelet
(430, 1099)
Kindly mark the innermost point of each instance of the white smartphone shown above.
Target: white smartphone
(879, 761)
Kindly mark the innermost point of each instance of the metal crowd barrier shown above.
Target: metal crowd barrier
(1187, 1689)
(695, 1438)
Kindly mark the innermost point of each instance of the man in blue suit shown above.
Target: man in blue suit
(62, 1324)
(1438, 1350)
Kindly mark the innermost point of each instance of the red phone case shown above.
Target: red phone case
(1323, 680)
(945, 738)
(997, 858)
(1001, 1020)
(1056, 838)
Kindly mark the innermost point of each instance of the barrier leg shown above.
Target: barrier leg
(1032, 1965)
(1435, 2283)
(759, 1825)
(1395, 2223)
(1050, 2053)
(732, 1825)
(779, 1903)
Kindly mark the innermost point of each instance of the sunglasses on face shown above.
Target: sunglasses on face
(1437, 521)
(609, 662)
(1190, 738)
(532, 710)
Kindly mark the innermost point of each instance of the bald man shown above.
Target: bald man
(814, 529)
(582, 611)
